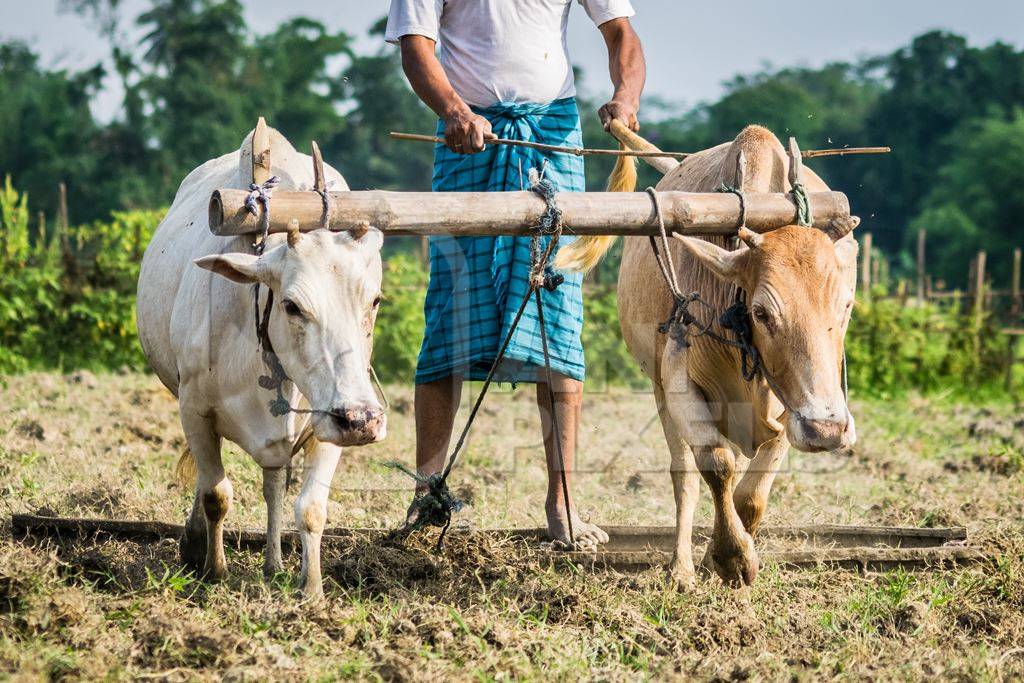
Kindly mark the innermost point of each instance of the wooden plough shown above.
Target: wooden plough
(630, 548)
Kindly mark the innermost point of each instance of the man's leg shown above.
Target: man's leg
(435, 407)
(568, 394)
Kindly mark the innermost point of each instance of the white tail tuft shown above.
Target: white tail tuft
(585, 252)
(185, 469)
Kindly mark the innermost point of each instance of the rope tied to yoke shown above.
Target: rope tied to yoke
(804, 216)
(436, 506)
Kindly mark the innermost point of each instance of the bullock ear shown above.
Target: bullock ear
(722, 262)
(241, 268)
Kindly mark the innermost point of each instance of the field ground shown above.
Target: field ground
(105, 446)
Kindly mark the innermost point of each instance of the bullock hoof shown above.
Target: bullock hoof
(214, 572)
(736, 565)
(313, 592)
(272, 568)
(192, 550)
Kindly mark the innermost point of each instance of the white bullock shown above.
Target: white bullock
(197, 328)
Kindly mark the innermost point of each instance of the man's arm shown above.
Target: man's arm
(464, 131)
(628, 71)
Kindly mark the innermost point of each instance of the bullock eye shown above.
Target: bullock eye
(291, 308)
(761, 314)
(376, 302)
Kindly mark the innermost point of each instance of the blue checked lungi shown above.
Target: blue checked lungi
(477, 283)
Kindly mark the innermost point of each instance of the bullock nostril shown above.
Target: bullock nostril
(824, 431)
(355, 419)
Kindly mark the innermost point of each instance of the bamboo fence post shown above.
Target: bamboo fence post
(1015, 302)
(425, 251)
(921, 288)
(876, 274)
(67, 255)
(865, 267)
(41, 218)
(979, 288)
(62, 213)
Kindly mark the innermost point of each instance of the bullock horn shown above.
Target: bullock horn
(294, 234)
(750, 238)
(838, 228)
(741, 170)
(319, 184)
(360, 230)
(260, 152)
(796, 163)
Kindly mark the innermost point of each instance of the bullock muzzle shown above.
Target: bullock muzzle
(359, 424)
(823, 434)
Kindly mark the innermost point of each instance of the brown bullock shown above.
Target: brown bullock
(799, 287)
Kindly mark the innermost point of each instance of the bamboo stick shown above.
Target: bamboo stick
(843, 151)
(587, 151)
(576, 151)
(518, 213)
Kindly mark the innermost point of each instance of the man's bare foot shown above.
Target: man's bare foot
(587, 536)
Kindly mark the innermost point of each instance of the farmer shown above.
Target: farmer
(504, 72)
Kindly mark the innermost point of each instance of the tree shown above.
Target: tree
(938, 84)
(382, 101)
(195, 51)
(47, 132)
(976, 201)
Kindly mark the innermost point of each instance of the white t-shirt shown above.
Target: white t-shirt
(501, 50)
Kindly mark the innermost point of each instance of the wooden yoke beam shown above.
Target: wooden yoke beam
(517, 213)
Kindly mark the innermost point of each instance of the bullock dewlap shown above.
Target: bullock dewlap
(775, 377)
(296, 379)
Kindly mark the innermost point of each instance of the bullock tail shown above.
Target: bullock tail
(185, 470)
(584, 253)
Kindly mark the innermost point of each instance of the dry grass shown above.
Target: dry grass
(105, 446)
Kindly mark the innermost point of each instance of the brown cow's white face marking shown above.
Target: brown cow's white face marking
(326, 291)
(800, 289)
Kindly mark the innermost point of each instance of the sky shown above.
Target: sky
(691, 47)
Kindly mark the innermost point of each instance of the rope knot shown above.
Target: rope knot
(736, 318)
(261, 194)
(803, 205)
(433, 508)
(550, 221)
(677, 326)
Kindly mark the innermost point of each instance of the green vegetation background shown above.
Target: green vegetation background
(953, 113)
